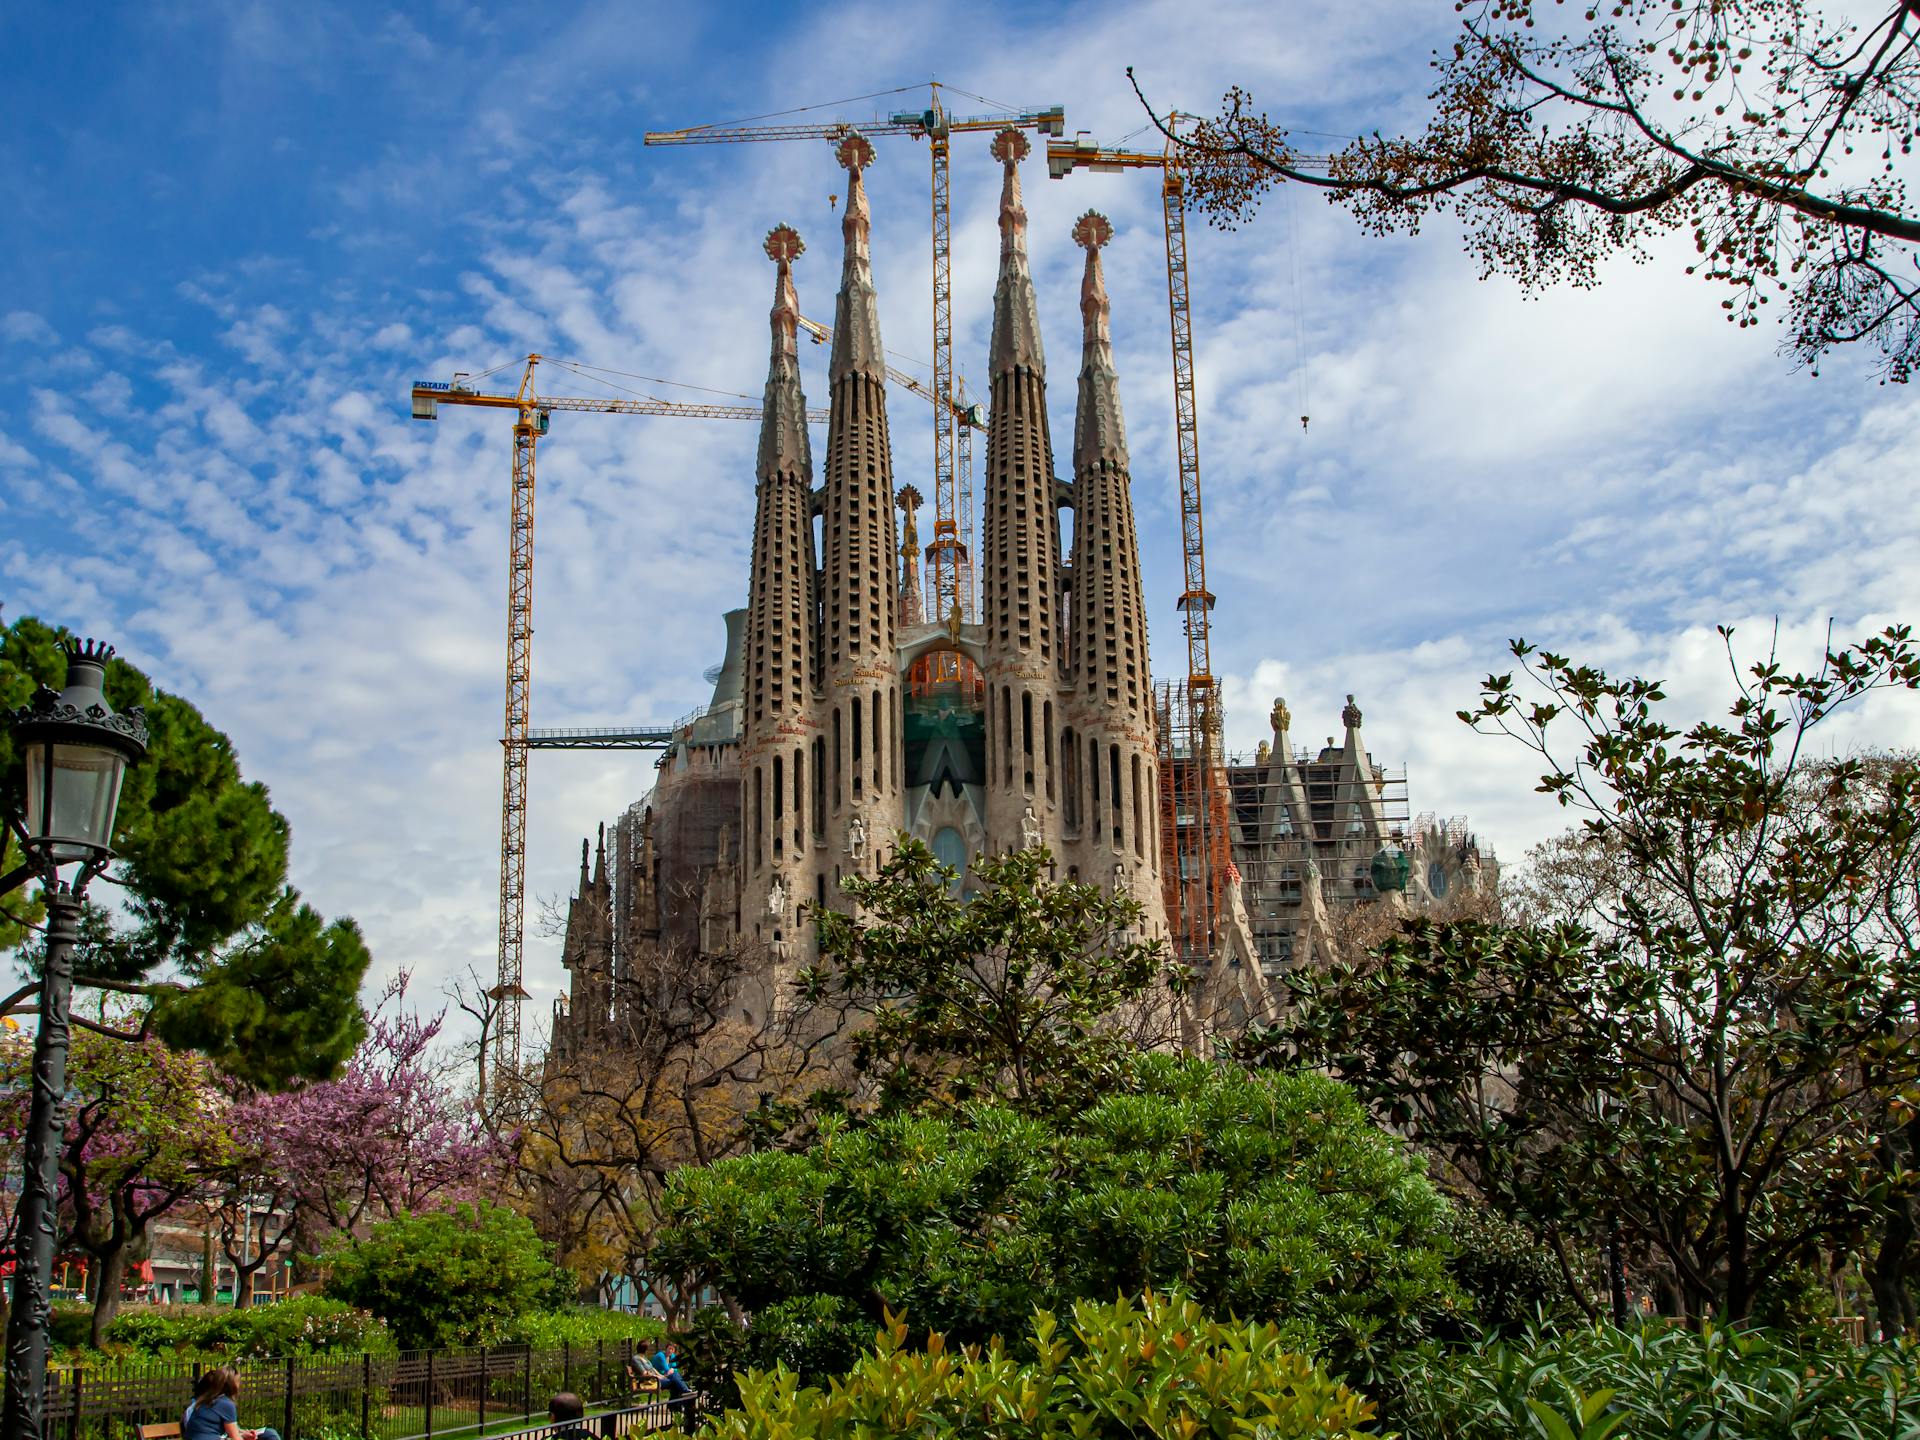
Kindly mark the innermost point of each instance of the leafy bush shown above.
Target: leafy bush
(713, 1352)
(455, 1277)
(580, 1325)
(1797, 1298)
(1657, 1383)
(72, 1325)
(1268, 1196)
(1158, 1368)
(304, 1325)
(1512, 1278)
(815, 1336)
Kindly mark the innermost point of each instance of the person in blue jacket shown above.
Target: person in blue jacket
(666, 1364)
(214, 1413)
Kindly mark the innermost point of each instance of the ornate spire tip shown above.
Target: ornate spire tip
(1011, 146)
(1092, 230)
(784, 245)
(855, 152)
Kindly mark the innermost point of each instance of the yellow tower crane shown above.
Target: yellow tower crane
(949, 556)
(1193, 783)
(531, 411)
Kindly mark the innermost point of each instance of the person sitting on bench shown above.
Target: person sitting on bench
(215, 1412)
(666, 1364)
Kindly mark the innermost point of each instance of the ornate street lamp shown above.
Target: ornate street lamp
(76, 751)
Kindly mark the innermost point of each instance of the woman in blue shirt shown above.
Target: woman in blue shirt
(215, 1413)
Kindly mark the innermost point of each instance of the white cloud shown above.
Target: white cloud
(23, 327)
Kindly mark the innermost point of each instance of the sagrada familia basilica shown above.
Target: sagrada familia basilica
(842, 718)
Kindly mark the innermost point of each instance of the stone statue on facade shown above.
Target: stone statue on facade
(777, 899)
(857, 841)
(1029, 828)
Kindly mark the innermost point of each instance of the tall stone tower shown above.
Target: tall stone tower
(1112, 790)
(582, 1019)
(860, 690)
(1024, 649)
(780, 733)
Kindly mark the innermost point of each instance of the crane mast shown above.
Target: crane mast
(530, 411)
(513, 740)
(944, 553)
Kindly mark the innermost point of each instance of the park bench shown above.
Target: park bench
(168, 1431)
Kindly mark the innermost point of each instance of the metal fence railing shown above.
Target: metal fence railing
(414, 1395)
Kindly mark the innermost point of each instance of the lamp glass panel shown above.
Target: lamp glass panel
(72, 793)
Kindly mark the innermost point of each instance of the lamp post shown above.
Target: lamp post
(76, 751)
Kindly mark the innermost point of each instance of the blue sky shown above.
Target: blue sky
(235, 233)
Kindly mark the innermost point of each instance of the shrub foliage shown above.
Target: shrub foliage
(457, 1277)
(1268, 1196)
(304, 1325)
(1160, 1367)
(1656, 1383)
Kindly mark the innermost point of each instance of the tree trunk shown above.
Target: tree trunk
(110, 1268)
(1739, 1297)
(1887, 1276)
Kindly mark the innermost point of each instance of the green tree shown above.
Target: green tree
(1711, 1050)
(453, 1277)
(1265, 1196)
(1774, 133)
(1028, 990)
(221, 954)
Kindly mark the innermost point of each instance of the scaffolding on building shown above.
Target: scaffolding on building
(1196, 864)
(1286, 861)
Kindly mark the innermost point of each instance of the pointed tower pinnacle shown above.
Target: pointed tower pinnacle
(1108, 634)
(1099, 430)
(1016, 319)
(780, 599)
(600, 861)
(856, 324)
(912, 607)
(585, 878)
(784, 448)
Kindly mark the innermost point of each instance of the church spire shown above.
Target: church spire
(784, 449)
(1016, 319)
(1108, 609)
(856, 324)
(780, 599)
(1099, 429)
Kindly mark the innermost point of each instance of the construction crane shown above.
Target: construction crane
(949, 555)
(531, 412)
(1189, 721)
